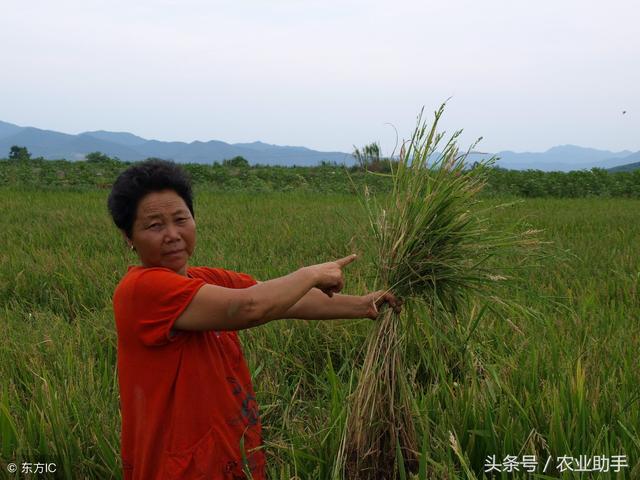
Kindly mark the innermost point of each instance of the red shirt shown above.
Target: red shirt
(188, 407)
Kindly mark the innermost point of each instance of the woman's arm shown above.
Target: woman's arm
(315, 305)
(219, 308)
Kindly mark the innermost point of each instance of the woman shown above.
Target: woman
(187, 403)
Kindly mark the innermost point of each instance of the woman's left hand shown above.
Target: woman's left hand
(375, 300)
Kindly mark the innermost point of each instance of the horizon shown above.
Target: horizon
(474, 152)
(327, 75)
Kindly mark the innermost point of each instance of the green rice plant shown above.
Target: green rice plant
(512, 389)
(433, 246)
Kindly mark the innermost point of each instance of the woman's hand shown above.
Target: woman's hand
(328, 276)
(375, 300)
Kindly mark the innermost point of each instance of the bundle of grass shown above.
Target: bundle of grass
(434, 246)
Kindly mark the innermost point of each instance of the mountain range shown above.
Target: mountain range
(565, 158)
(126, 146)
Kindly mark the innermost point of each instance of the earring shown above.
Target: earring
(132, 247)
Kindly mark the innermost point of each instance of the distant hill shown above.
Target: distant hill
(562, 158)
(634, 164)
(122, 138)
(126, 146)
(630, 167)
(7, 129)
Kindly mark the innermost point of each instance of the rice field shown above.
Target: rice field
(560, 384)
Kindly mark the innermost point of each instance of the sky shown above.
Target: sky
(327, 75)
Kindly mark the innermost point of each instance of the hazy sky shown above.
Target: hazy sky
(326, 74)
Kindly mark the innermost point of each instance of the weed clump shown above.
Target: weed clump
(433, 246)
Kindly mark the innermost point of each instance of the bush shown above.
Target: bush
(237, 162)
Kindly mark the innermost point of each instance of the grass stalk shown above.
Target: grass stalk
(433, 247)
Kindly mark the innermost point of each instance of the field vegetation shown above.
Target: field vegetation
(232, 175)
(564, 381)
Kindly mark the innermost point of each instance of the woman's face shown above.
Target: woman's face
(164, 232)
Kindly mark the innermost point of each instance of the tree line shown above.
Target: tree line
(99, 170)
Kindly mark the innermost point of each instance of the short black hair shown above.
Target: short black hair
(152, 175)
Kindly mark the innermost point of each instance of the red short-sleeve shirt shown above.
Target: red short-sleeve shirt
(188, 407)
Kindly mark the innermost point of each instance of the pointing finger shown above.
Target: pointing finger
(346, 260)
